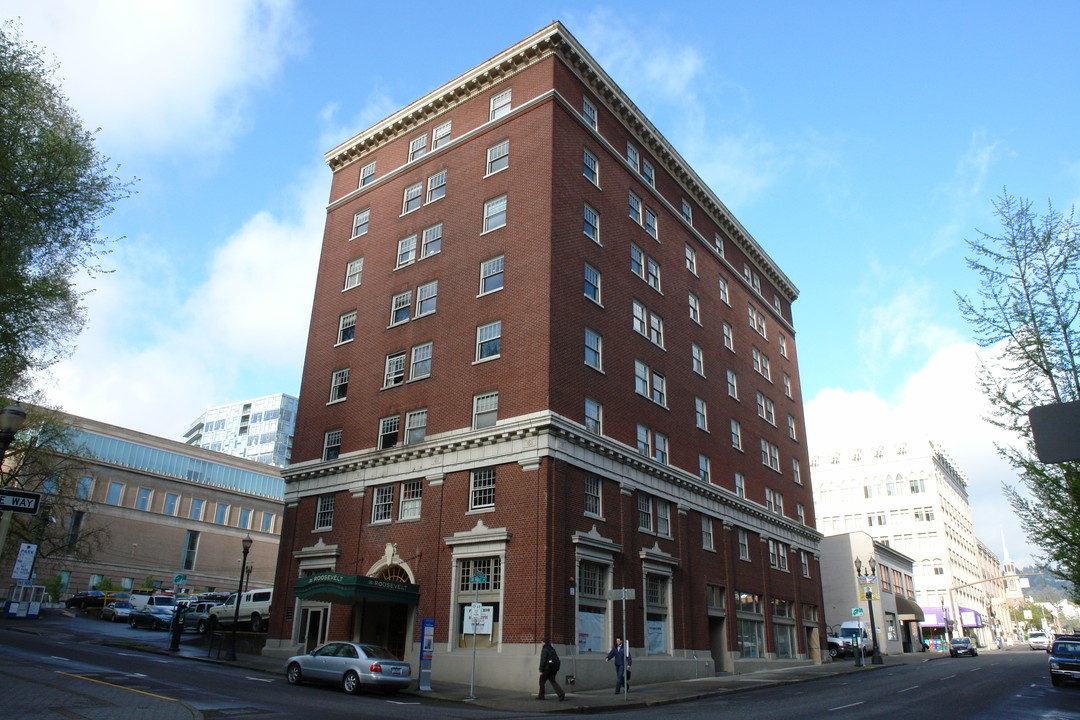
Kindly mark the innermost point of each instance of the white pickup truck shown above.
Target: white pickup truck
(849, 637)
(254, 609)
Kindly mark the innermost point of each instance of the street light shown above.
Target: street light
(11, 420)
(876, 658)
(231, 654)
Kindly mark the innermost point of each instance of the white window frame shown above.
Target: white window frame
(324, 512)
(412, 198)
(339, 385)
(707, 540)
(361, 220)
(440, 135)
(729, 337)
(796, 471)
(592, 281)
(697, 359)
(691, 258)
(485, 410)
(656, 329)
(744, 545)
(590, 167)
(701, 414)
(740, 484)
(382, 504)
(498, 157)
(704, 468)
(641, 319)
(354, 273)
(724, 294)
(645, 513)
(412, 493)
(591, 223)
(416, 426)
(594, 416)
(494, 214)
(389, 432)
(427, 298)
(588, 111)
(500, 104)
(695, 308)
(732, 384)
(436, 186)
(782, 339)
(367, 174)
(651, 223)
(485, 335)
(634, 208)
(420, 361)
(346, 326)
(652, 273)
(431, 242)
(661, 452)
(489, 270)
(406, 251)
(648, 172)
(331, 444)
(687, 211)
(770, 455)
(594, 496)
(482, 488)
(394, 369)
(594, 349)
(398, 303)
(792, 433)
(633, 157)
(736, 435)
(418, 147)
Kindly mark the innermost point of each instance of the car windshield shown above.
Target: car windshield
(961, 641)
(121, 604)
(1067, 648)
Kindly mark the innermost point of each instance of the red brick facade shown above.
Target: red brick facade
(557, 547)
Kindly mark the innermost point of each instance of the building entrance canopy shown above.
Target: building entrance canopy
(905, 607)
(336, 587)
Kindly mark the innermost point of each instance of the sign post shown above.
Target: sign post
(624, 594)
(476, 607)
(427, 647)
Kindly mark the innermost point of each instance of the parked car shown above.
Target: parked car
(963, 646)
(1064, 662)
(85, 600)
(254, 608)
(116, 610)
(1038, 640)
(352, 665)
(141, 600)
(151, 616)
(198, 616)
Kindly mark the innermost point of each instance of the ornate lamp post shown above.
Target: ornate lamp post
(876, 658)
(11, 420)
(231, 654)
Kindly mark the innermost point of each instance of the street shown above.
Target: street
(70, 658)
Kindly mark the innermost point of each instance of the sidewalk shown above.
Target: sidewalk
(46, 694)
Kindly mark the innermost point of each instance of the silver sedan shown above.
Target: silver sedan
(352, 665)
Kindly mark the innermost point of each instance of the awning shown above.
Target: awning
(908, 607)
(335, 587)
(970, 618)
(932, 617)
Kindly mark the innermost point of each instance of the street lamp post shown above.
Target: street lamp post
(875, 658)
(231, 654)
(11, 420)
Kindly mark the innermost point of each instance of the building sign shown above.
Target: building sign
(478, 618)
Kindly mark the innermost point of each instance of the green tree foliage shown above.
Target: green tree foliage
(1026, 309)
(105, 585)
(46, 458)
(54, 190)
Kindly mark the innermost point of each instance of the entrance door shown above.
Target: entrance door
(813, 643)
(384, 623)
(313, 627)
(718, 645)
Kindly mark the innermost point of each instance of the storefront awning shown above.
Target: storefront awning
(335, 587)
(970, 618)
(932, 617)
(909, 608)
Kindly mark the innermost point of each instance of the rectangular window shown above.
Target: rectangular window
(791, 428)
(695, 308)
(436, 186)
(324, 512)
(635, 208)
(796, 472)
(770, 455)
(732, 384)
(787, 385)
(432, 241)
(498, 157)
(804, 561)
(418, 147)
(500, 104)
(221, 514)
(482, 488)
(686, 212)
(591, 168)
(195, 512)
(744, 545)
(757, 321)
(637, 261)
(115, 494)
(331, 445)
(697, 356)
(591, 223)
(244, 522)
(389, 428)
(421, 361)
(406, 250)
(663, 518)
(691, 259)
(661, 452)
(411, 201)
(395, 370)
(800, 513)
(736, 435)
(191, 549)
(415, 426)
(491, 275)
(142, 499)
(485, 409)
(592, 283)
(360, 222)
(367, 174)
(353, 273)
(346, 327)
(588, 111)
(765, 409)
(592, 496)
(339, 385)
(489, 341)
(399, 307)
(593, 349)
(648, 173)
(267, 522)
(651, 223)
(495, 213)
(411, 496)
(644, 512)
(594, 416)
(704, 465)
(724, 291)
(641, 322)
(729, 343)
(659, 389)
(440, 135)
(652, 274)
(633, 157)
(641, 378)
(719, 243)
(782, 339)
(701, 414)
(706, 533)
(84, 488)
(427, 296)
(777, 555)
(740, 484)
(656, 329)
(382, 505)
(644, 441)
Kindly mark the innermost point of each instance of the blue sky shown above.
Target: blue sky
(860, 143)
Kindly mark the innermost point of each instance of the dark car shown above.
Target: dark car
(962, 646)
(116, 610)
(198, 616)
(1064, 660)
(351, 665)
(151, 616)
(86, 599)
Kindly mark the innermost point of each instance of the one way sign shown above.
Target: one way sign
(20, 501)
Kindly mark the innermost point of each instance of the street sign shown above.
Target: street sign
(179, 579)
(24, 562)
(20, 501)
(622, 594)
(856, 612)
(478, 579)
(478, 618)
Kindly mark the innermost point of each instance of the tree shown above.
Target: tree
(1026, 309)
(47, 458)
(54, 190)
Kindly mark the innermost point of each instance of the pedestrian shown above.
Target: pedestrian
(622, 662)
(549, 670)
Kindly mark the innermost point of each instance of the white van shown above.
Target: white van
(254, 608)
(140, 599)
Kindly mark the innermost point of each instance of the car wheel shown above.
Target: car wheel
(294, 674)
(201, 627)
(833, 651)
(256, 623)
(131, 622)
(351, 683)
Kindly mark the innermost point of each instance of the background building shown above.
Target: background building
(545, 365)
(911, 496)
(169, 509)
(260, 429)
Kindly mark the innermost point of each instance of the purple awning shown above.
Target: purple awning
(970, 618)
(932, 617)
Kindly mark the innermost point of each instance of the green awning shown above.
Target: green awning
(336, 587)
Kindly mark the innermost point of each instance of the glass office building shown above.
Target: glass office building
(260, 429)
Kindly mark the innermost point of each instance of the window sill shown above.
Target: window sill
(491, 174)
(491, 230)
(480, 511)
(343, 342)
(487, 359)
(339, 400)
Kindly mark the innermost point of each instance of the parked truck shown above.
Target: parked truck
(849, 637)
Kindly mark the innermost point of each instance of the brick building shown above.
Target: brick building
(544, 357)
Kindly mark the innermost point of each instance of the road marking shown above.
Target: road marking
(401, 702)
(906, 689)
(270, 680)
(57, 657)
(121, 687)
(947, 677)
(844, 707)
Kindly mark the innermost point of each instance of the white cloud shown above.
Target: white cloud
(941, 402)
(162, 76)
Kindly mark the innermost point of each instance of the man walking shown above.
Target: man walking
(549, 670)
(622, 661)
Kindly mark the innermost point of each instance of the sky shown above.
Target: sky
(862, 144)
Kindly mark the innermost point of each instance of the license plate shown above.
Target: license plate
(395, 671)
